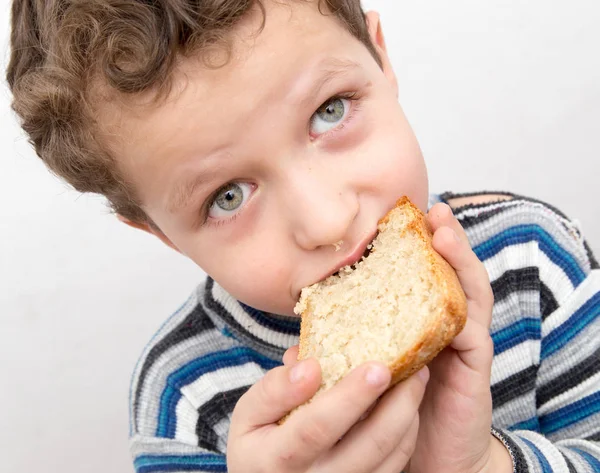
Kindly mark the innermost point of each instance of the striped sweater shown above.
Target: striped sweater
(545, 373)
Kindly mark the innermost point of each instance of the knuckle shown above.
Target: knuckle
(266, 389)
(383, 442)
(284, 459)
(313, 434)
(488, 345)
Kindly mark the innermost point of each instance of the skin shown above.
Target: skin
(308, 184)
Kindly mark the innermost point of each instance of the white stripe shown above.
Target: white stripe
(222, 430)
(170, 361)
(584, 292)
(210, 384)
(587, 388)
(564, 232)
(526, 255)
(232, 306)
(575, 458)
(554, 277)
(593, 448)
(514, 360)
(474, 212)
(552, 454)
(512, 257)
(187, 419)
(571, 228)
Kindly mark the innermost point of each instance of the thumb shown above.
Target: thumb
(280, 391)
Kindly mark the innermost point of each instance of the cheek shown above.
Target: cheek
(394, 165)
(255, 271)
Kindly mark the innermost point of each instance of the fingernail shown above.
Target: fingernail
(424, 374)
(298, 372)
(456, 237)
(377, 375)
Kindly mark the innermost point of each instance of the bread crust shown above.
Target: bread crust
(454, 317)
(440, 334)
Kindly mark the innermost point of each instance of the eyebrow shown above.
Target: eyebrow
(328, 69)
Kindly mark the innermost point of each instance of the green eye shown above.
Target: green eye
(230, 197)
(329, 115)
(332, 111)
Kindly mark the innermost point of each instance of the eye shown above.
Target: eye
(229, 199)
(329, 115)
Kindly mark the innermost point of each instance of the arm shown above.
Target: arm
(154, 455)
(192, 446)
(568, 389)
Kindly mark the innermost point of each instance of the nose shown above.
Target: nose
(321, 210)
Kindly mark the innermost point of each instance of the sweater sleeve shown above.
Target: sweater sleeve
(565, 435)
(161, 455)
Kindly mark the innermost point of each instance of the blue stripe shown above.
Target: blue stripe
(525, 329)
(193, 370)
(529, 424)
(564, 333)
(589, 458)
(146, 347)
(546, 468)
(289, 325)
(166, 463)
(571, 414)
(520, 234)
(228, 333)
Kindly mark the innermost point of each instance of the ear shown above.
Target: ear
(376, 35)
(148, 229)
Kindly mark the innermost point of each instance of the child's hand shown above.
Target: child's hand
(309, 440)
(456, 413)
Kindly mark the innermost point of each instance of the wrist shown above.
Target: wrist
(500, 459)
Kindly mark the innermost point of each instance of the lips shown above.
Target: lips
(355, 255)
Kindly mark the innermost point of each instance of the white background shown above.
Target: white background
(502, 95)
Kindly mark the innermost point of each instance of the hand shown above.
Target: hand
(327, 434)
(456, 413)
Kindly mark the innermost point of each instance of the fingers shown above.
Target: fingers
(475, 347)
(441, 215)
(450, 241)
(281, 390)
(386, 439)
(290, 357)
(315, 428)
(398, 459)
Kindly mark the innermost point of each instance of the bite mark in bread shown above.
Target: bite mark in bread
(401, 305)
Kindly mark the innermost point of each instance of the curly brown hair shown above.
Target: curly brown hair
(61, 48)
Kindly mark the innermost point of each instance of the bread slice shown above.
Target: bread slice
(401, 304)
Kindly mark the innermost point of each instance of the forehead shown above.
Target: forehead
(265, 66)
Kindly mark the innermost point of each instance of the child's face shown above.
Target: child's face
(296, 144)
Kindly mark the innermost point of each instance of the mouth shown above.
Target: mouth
(352, 266)
(362, 250)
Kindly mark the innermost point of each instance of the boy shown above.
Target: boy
(258, 139)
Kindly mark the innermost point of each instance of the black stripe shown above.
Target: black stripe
(570, 465)
(593, 261)
(574, 377)
(548, 303)
(192, 325)
(212, 412)
(207, 437)
(524, 279)
(514, 386)
(470, 220)
(241, 333)
(594, 437)
(520, 465)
